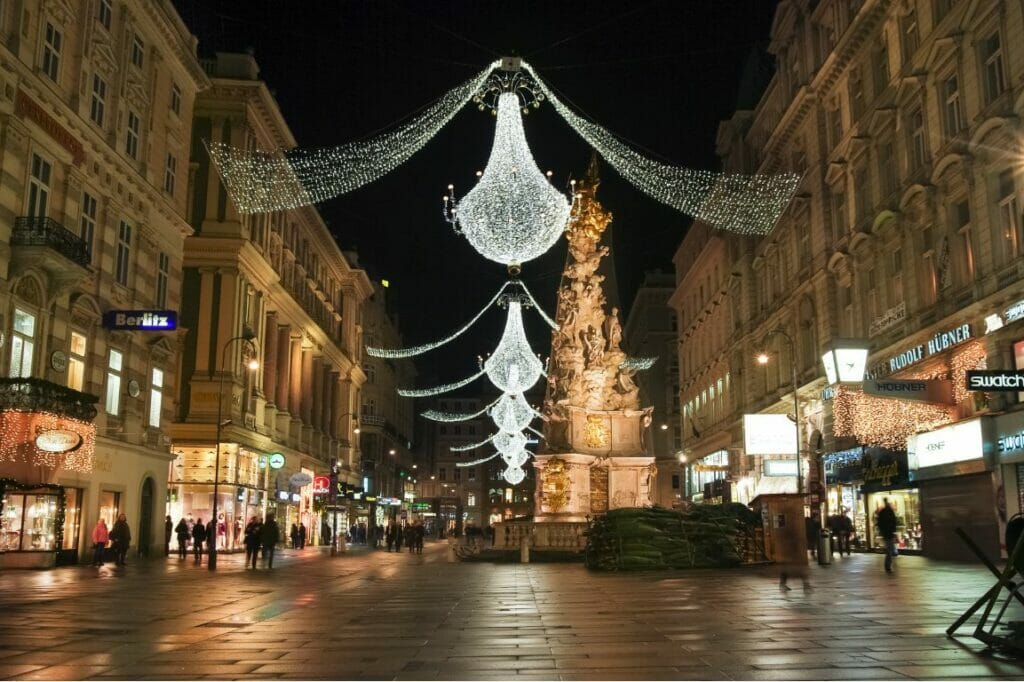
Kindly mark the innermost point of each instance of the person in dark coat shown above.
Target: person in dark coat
(844, 532)
(168, 532)
(121, 538)
(294, 535)
(812, 526)
(182, 531)
(302, 536)
(887, 529)
(253, 535)
(400, 534)
(198, 538)
(270, 535)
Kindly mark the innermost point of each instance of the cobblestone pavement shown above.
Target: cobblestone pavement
(397, 616)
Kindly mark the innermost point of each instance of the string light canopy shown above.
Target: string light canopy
(513, 214)
(271, 180)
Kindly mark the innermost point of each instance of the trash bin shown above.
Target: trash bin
(825, 548)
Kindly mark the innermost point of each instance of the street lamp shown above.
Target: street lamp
(845, 360)
(762, 359)
(335, 470)
(247, 338)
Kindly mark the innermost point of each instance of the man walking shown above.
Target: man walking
(269, 537)
(887, 529)
(198, 538)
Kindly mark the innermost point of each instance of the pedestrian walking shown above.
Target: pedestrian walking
(198, 538)
(269, 537)
(100, 537)
(420, 532)
(168, 531)
(182, 531)
(120, 538)
(886, 523)
(399, 537)
(302, 536)
(294, 535)
(845, 532)
(253, 535)
(212, 544)
(812, 527)
(389, 537)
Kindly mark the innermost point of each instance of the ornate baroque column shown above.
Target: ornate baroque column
(306, 385)
(295, 387)
(336, 411)
(317, 389)
(270, 357)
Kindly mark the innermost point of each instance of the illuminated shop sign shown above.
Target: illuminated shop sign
(780, 467)
(1013, 442)
(141, 320)
(957, 443)
(923, 390)
(997, 321)
(321, 485)
(769, 434)
(995, 380)
(59, 441)
(940, 342)
(276, 460)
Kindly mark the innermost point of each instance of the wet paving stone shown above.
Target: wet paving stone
(380, 616)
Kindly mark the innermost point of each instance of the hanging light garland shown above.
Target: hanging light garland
(638, 364)
(394, 353)
(872, 420)
(513, 214)
(263, 181)
(746, 204)
(513, 367)
(438, 390)
(512, 413)
(441, 416)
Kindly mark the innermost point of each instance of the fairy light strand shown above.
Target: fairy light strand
(746, 204)
(262, 181)
(438, 390)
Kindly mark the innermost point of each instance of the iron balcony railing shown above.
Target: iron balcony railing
(37, 231)
(31, 394)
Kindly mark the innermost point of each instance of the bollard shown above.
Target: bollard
(825, 548)
(524, 550)
(341, 544)
(451, 551)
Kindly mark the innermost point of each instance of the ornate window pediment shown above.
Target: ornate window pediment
(62, 11)
(102, 56)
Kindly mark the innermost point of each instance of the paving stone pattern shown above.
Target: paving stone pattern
(381, 616)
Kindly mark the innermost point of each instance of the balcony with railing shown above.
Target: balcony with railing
(48, 244)
(31, 394)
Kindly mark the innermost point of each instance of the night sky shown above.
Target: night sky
(661, 74)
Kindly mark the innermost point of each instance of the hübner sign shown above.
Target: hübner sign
(995, 380)
(144, 320)
(937, 344)
(922, 390)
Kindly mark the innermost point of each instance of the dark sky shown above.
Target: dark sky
(659, 73)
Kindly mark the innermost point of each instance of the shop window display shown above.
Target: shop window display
(72, 517)
(29, 522)
(110, 506)
(906, 504)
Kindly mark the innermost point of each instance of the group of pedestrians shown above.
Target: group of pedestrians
(409, 535)
(262, 534)
(298, 536)
(119, 539)
(258, 534)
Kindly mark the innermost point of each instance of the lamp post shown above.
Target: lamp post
(246, 337)
(762, 359)
(845, 361)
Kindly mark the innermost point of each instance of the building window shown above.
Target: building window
(471, 499)
(458, 430)
(918, 144)
(992, 65)
(1009, 218)
(887, 168)
(98, 104)
(163, 274)
(961, 218)
(76, 361)
(457, 474)
(911, 37)
(39, 187)
(51, 53)
(860, 179)
(131, 142)
(442, 474)
(471, 474)
(675, 481)
(508, 495)
(896, 266)
(138, 51)
(156, 397)
(942, 8)
(23, 343)
(952, 108)
(176, 99)
(124, 251)
(873, 307)
(838, 215)
(170, 170)
(834, 119)
(87, 223)
(880, 66)
(114, 367)
(106, 14)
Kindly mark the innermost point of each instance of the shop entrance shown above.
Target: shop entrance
(146, 517)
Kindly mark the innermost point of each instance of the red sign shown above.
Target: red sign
(26, 107)
(321, 485)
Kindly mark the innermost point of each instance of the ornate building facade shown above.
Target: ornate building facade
(906, 232)
(274, 288)
(95, 120)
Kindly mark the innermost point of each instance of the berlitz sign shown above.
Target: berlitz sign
(995, 380)
(142, 320)
(921, 390)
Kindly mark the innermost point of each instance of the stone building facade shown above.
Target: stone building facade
(906, 232)
(281, 279)
(96, 103)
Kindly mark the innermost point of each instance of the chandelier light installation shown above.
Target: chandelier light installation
(262, 181)
(513, 214)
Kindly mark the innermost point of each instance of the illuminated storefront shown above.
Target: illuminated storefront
(707, 478)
